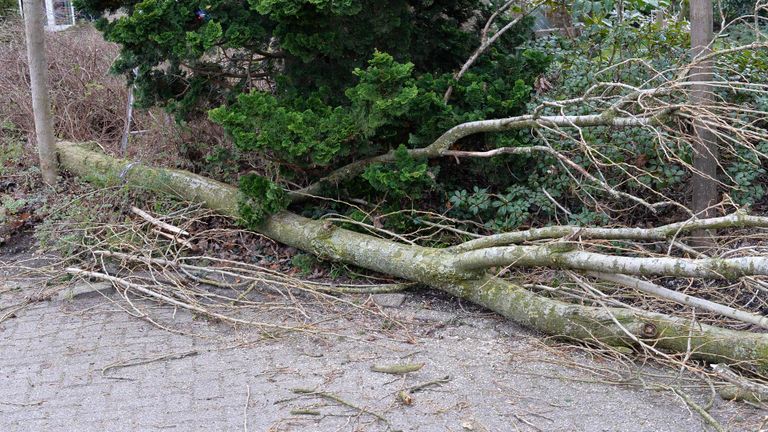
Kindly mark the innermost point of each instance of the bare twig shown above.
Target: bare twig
(339, 400)
(688, 300)
(305, 412)
(398, 369)
(177, 239)
(22, 404)
(486, 42)
(245, 407)
(699, 410)
(419, 387)
(162, 225)
(144, 360)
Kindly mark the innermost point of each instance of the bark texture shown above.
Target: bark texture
(38, 78)
(705, 151)
(437, 268)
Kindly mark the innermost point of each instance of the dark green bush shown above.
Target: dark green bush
(8, 8)
(311, 85)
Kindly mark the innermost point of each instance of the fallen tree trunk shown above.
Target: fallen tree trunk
(441, 269)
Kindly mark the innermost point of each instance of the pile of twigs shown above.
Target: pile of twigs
(152, 259)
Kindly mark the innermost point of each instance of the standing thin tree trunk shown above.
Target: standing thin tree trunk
(705, 151)
(128, 117)
(128, 121)
(38, 77)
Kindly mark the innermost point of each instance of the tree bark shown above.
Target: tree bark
(438, 268)
(662, 233)
(705, 151)
(38, 77)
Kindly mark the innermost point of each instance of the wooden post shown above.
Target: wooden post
(705, 151)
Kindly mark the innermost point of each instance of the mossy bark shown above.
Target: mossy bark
(437, 268)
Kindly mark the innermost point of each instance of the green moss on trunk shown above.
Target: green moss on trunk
(434, 267)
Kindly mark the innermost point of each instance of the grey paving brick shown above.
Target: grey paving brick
(52, 356)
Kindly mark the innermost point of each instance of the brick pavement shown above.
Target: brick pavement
(52, 355)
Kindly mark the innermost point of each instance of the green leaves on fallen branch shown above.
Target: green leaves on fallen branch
(260, 198)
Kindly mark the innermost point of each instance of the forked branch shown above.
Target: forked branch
(441, 146)
(486, 42)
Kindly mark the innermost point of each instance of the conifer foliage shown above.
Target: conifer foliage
(312, 85)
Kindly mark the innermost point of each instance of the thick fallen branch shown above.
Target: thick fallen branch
(440, 268)
(441, 145)
(665, 232)
(557, 255)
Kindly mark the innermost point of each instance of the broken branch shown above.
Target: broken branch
(447, 271)
(441, 145)
(157, 222)
(398, 369)
(688, 300)
(337, 399)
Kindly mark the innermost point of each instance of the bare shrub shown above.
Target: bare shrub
(89, 103)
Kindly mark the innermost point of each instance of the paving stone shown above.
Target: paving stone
(52, 355)
(81, 290)
(389, 300)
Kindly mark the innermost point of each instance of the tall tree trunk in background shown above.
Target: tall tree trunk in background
(705, 157)
(38, 78)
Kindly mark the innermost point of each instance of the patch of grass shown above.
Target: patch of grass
(305, 263)
(94, 218)
(10, 206)
(11, 151)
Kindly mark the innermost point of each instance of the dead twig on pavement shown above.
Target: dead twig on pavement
(699, 410)
(339, 400)
(398, 369)
(142, 361)
(419, 387)
(245, 408)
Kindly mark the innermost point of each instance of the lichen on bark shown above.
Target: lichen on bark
(438, 268)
